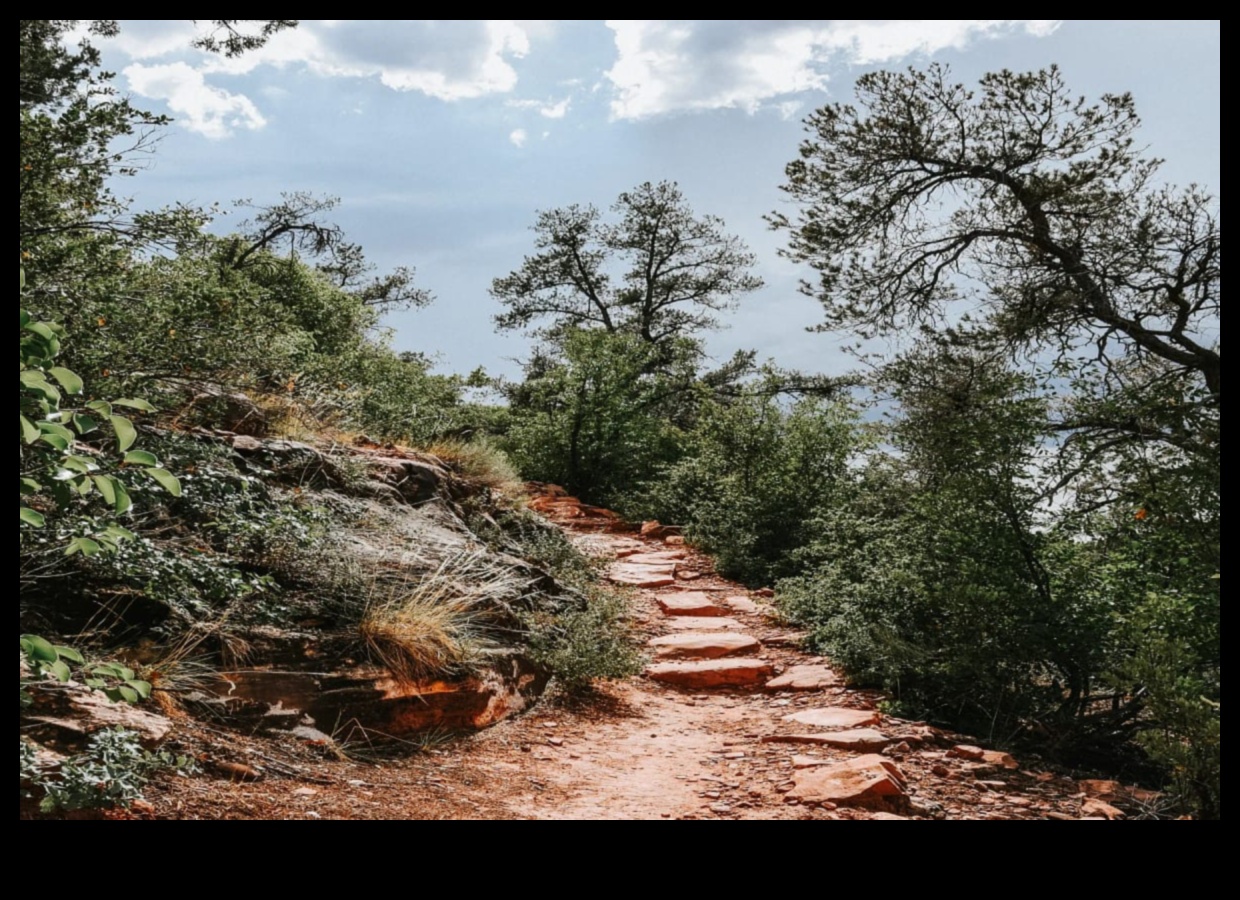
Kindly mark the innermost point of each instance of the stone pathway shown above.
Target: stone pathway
(782, 735)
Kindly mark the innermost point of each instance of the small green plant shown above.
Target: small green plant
(588, 644)
(113, 771)
(117, 682)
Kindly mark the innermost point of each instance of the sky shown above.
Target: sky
(442, 138)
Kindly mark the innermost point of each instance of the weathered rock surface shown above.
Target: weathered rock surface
(721, 673)
(866, 781)
(704, 646)
(805, 678)
(859, 740)
(702, 623)
(742, 604)
(835, 717)
(690, 603)
(69, 715)
(642, 576)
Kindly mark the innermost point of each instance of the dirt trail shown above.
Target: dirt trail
(782, 738)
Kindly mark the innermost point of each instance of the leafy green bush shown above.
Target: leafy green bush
(754, 475)
(113, 771)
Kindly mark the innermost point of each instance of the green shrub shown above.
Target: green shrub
(113, 771)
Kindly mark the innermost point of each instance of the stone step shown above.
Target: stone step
(835, 718)
(805, 678)
(702, 623)
(860, 740)
(704, 646)
(642, 576)
(690, 603)
(718, 673)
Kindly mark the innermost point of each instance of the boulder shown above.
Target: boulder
(869, 781)
(704, 646)
(70, 715)
(719, 673)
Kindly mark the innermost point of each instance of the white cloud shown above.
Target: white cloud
(519, 137)
(676, 65)
(556, 110)
(210, 111)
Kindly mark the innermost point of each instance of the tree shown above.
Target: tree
(1038, 209)
(659, 271)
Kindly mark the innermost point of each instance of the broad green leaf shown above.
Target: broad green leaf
(59, 670)
(70, 654)
(55, 440)
(84, 546)
(84, 424)
(166, 480)
(126, 434)
(103, 407)
(38, 649)
(30, 486)
(32, 518)
(79, 464)
(123, 503)
(30, 433)
(25, 318)
(42, 329)
(130, 403)
(141, 688)
(68, 380)
(105, 485)
(119, 533)
(58, 430)
(141, 458)
(128, 694)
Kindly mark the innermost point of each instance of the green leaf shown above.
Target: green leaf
(25, 318)
(70, 654)
(106, 487)
(126, 434)
(32, 518)
(166, 480)
(68, 380)
(38, 649)
(30, 433)
(141, 458)
(42, 329)
(59, 670)
(128, 694)
(103, 407)
(119, 533)
(84, 424)
(58, 430)
(30, 486)
(141, 688)
(79, 464)
(84, 546)
(130, 403)
(55, 440)
(123, 503)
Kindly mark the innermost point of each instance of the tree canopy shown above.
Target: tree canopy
(1035, 206)
(656, 270)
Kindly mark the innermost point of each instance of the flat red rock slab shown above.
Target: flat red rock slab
(835, 717)
(860, 740)
(805, 678)
(659, 558)
(704, 646)
(718, 673)
(690, 603)
(866, 780)
(642, 576)
(743, 605)
(703, 623)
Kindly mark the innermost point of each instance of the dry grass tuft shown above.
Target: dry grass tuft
(443, 622)
(482, 463)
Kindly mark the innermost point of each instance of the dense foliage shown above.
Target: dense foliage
(1014, 527)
